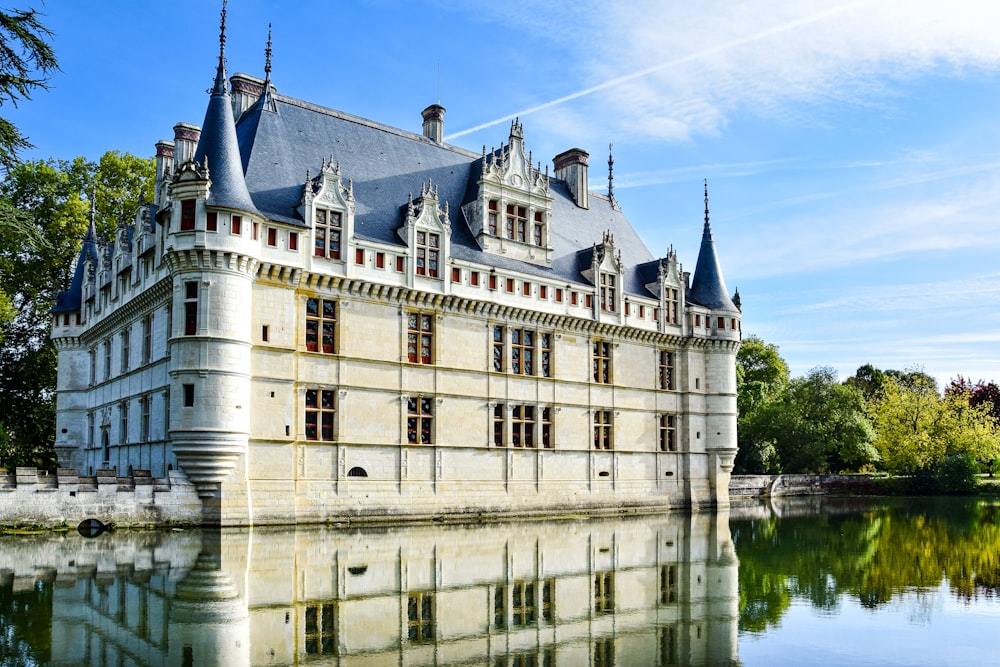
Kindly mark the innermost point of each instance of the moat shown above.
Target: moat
(806, 582)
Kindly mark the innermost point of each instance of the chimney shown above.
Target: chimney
(434, 123)
(186, 138)
(164, 166)
(246, 90)
(571, 166)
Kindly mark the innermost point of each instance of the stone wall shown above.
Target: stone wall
(763, 486)
(33, 497)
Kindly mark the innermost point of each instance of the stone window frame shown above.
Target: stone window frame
(320, 414)
(331, 223)
(321, 323)
(602, 361)
(420, 420)
(427, 247)
(666, 366)
(604, 430)
(666, 427)
(420, 337)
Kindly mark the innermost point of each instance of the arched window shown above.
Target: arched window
(357, 472)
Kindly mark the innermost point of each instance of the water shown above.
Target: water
(795, 582)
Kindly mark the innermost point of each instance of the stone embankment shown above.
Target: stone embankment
(29, 496)
(743, 487)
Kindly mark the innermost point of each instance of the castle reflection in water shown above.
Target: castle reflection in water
(638, 591)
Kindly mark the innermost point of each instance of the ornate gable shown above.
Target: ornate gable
(426, 230)
(512, 213)
(327, 207)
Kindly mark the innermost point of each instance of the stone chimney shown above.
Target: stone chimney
(246, 90)
(164, 166)
(186, 138)
(571, 166)
(434, 123)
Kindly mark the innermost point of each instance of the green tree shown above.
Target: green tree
(817, 425)
(51, 197)
(26, 63)
(761, 377)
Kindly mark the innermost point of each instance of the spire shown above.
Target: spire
(218, 145)
(708, 287)
(266, 100)
(611, 177)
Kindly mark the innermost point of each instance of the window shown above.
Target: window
(609, 292)
(123, 427)
(642, 311)
(721, 324)
(380, 260)
(399, 264)
(526, 288)
(189, 396)
(517, 222)
(420, 617)
(456, 275)
(321, 325)
(265, 333)
(672, 305)
(668, 433)
(665, 369)
(522, 352)
(492, 216)
(538, 234)
(547, 428)
(510, 285)
(359, 257)
(604, 592)
(212, 221)
(522, 603)
(126, 349)
(545, 354)
(498, 421)
(543, 292)
(319, 414)
(498, 343)
(92, 354)
(166, 412)
(732, 324)
(602, 430)
(187, 215)
(474, 278)
(144, 402)
(191, 308)
(419, 420)
(493, 281)
(574, 298)
(237, 226)
(697, 320)
(523, 426)
(328, 231)
(107, 359)
(147, 339)
(419, 338)
(588, 301)
(427, 254)
(559, 296)
(602, 362)
(272, 236)
(321, 629)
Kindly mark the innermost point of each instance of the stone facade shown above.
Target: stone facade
(410, 330)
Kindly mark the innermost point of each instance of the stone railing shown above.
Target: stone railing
(763, 486)
(29, 496)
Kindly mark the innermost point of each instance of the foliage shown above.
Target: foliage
(50, 200)
(761, 376)
(26, 63)
(816, 425)
(958, 473)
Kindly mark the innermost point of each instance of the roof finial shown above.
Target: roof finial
(267, 57)
(91, 234)
(611, 174)
(707, 228)
(220, 73)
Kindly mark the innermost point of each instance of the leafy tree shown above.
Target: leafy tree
(816, 425)
(26, 63)
(761, 376)
(51, 199)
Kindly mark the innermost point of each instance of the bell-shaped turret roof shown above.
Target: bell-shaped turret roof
(708, 287)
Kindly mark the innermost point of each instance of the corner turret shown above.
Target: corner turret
(708, 288)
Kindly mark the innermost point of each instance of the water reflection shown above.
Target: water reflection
(640, 591)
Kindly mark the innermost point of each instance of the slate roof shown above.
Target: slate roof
(71, 300)
(707, 287)
(387, 164)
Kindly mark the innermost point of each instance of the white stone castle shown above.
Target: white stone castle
(320, 317)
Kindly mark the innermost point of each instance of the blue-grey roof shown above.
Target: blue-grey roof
(707, 287)
(386, 164)
(218, 143)
(71, 300)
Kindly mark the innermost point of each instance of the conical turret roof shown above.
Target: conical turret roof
(708, 287)
(219, 145)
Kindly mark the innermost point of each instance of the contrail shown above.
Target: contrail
(784, 27)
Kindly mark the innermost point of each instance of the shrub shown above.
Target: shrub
(958, 473)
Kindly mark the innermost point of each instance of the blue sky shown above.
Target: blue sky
(852, 149)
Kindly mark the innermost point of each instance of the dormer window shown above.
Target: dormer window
(608, 292)
(329, 228)
(494, 216)
(539, 229)
(428, 254)
(517, 222)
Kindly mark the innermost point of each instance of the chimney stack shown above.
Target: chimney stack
(434, 123)
(164, 165)
(186, 138)
(571, 166)
(246, 90)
